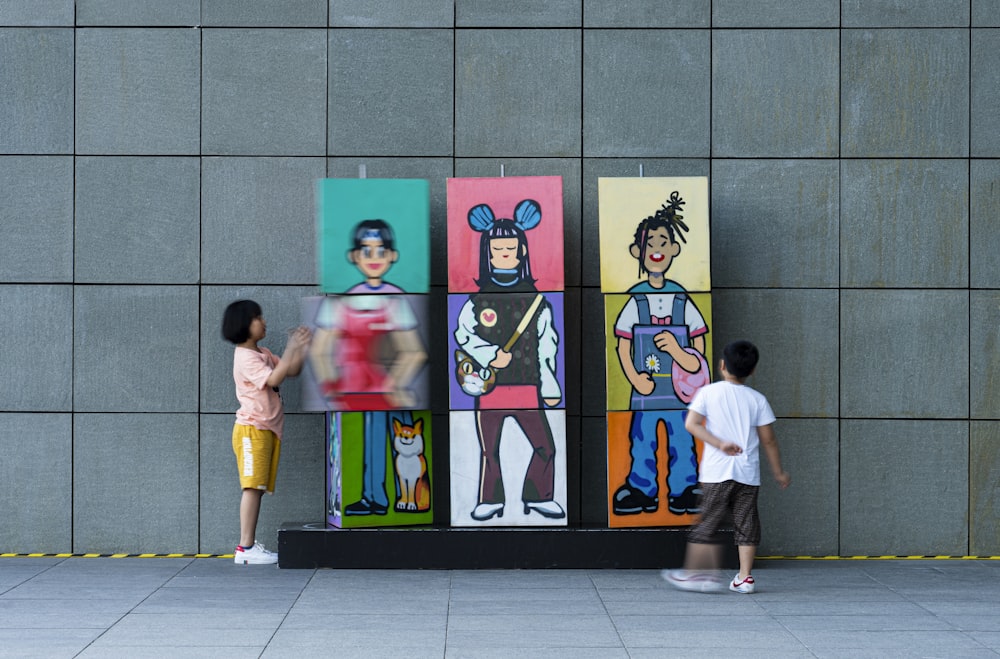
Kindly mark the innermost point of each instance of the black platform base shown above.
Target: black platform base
(316, 546)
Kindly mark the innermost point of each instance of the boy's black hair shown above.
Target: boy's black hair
(365, 228)
(237, 318)
(741, 358)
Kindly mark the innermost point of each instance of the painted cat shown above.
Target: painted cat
(411, 467)
(474, 380)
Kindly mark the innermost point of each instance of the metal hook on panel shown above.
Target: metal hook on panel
(362, 171)
(640, 170)
(501, 170)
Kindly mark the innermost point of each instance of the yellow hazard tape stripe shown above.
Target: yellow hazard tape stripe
(34, 555)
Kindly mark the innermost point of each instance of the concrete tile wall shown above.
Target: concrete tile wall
(157, 160)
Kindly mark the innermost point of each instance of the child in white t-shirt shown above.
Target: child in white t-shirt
(257, 372)
(733, 421)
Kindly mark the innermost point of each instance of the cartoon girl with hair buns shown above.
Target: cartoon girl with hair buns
(507, 330)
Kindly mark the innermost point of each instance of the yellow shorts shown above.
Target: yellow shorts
(257, 452)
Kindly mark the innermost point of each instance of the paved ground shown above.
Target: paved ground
(208, 607)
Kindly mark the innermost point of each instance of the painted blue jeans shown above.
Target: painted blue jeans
(682, 461)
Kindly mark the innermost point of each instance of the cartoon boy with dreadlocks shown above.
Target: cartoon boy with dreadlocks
(661, 347)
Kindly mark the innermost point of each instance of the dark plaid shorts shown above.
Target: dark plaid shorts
(718, 501)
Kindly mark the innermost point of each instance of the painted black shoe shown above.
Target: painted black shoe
(364, 507)
(629, 501)
(685, 503)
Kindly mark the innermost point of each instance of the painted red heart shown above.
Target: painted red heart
(489, 316)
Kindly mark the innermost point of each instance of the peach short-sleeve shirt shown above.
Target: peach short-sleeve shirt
(260, 405)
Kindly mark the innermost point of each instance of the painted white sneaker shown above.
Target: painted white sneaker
(255, 555)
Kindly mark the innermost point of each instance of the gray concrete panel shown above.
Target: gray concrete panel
(36, 210)
(135, 349)
(646, 93)
(135, 483)
(787, 86)
(904, 487)
(259, 220)
(37, 483)
(36, 13)
(802, 520)
(904, 223)
(985, 129)
(904, 93)
(775, 13)
(516, 13)
(797, 334)
(298, 492)
(986, 13)
(264, 13)
(647, 13)
(282, 311)
(391, 13)
(984, 343)
(904, 13)
(36, 347)
(139, 12)
(570, 171)
(263, 92)
(984, 229)
(137, 220)
(434, 170)
(594, 168)
(775, 223)
(592, 352)
(578, 371)
(984, 476)
(517, 93)
(904, 354)
(391, 92)
(138, 91)
(594, 469)
(37, 104)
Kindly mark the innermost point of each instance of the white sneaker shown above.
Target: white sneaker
(699, 582)
(255, 555)
(745, 586)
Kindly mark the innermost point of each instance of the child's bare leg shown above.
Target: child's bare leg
(249, 510)
(702, 556)
(747, 554)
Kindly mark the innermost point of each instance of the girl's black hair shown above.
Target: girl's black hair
(237, 318)
(504, 228)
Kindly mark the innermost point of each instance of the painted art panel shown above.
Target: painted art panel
(528, 207)
(664, 507)
(368, 352)
(519, 479)
(396, 212)
(379, 469)
(654, 232)
(470, 343)
(628, 343)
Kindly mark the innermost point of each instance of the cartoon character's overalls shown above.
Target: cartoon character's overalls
(661, 405)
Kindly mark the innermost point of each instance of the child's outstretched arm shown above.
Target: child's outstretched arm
(695, 424)
(292, 359)
(770, 444)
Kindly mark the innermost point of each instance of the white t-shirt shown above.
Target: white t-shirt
(732, 412)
